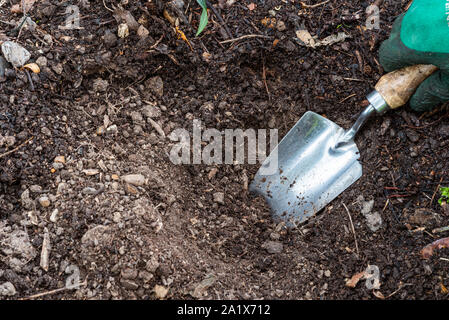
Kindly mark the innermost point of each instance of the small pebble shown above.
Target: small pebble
(219, 197)
(44, 202)
(134, 179)
(273, 247)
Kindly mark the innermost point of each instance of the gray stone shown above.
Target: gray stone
(136, 117)
(15, 53)
(26, 201)
(152, 265)
(128, 274)
(134, 179)
(100, 85)
(9, 141)
(367, 207)
(273, 246)
(444, 130)
(178, 4)
(57, 165)
(7, 289)
(412, 135)
(89, 190)
(16, 248)
(156, 86)
(58, 68)
(219, 197)
(281, 26)
(151, 111)
(109, 38)
(42, 61)
(128, 284)
(35, 188)
(145, 276)
(97, 235)
(374, 221)
(44, 202)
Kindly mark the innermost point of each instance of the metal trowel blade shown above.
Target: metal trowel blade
(305, 171)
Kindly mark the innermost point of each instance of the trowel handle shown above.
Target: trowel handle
(398, 86)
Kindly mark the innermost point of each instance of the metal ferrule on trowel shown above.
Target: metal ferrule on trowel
(397, 87)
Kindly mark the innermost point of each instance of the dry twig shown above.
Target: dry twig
(311, 6)
(264, 77)
(436, 190)
(106, 7)
(353, 230)
(16, 148)
(246, 37)
(46, 293)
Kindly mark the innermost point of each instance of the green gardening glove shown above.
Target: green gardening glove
(421, 36)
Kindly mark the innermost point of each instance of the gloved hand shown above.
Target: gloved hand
(421, 36)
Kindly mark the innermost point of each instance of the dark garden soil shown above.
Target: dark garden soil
(107, 105)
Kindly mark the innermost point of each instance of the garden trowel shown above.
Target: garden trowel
(317, 159)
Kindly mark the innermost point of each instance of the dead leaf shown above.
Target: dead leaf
(268, 22)
(123, 30)
(121, 15)
(307, 40)
(212, 173)
(169, 18)
(427, 251)
(32, 67)
(443, 289)
(351, 283)
(207, 56)
(182, 36)
(379, 295)
(339, 37)
(17, 8)
(252, 6)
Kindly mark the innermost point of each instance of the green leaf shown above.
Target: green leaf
(202, 3)
(204, 18)
(444, 195)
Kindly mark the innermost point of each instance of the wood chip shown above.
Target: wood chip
(45, 253)
(91, 172)
(351, 283)
(157, 127)
(59, 159)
